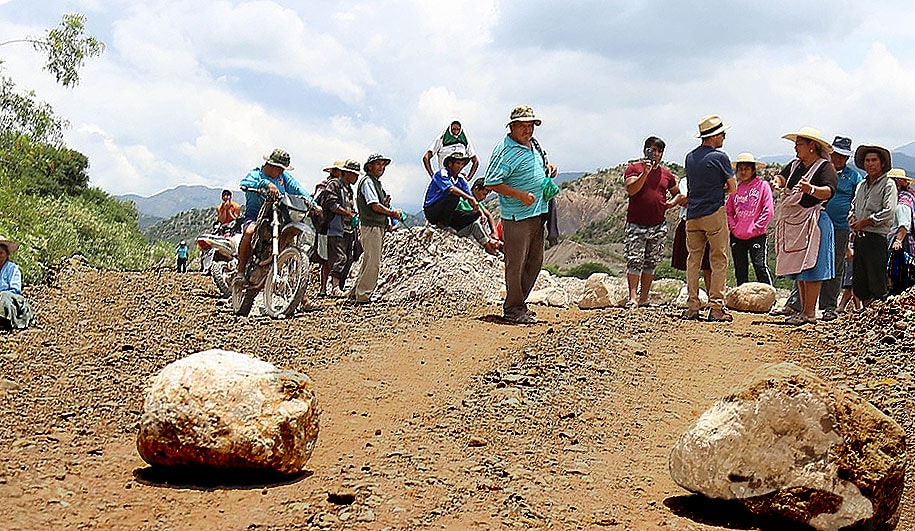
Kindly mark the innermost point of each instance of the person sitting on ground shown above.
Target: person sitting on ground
(749, 211)
(14, 308)
(452, 138)
(647, 184)
(480, 193)
(444, 192)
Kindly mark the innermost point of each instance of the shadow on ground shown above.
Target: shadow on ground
(208, 479)
(728, 514)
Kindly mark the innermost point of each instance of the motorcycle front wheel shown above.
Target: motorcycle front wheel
(284, 292)
(242, 298)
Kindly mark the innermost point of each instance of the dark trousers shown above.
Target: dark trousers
(756, 249)
(342, 252)
(182, 265)
(445, 212)
(871, 255)
(829, 292)
(523, 259)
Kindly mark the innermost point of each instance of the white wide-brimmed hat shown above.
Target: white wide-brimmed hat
(711, 125)
(749, 159)
(10, 245)
(810, 134)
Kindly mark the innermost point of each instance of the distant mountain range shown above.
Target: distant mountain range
(903, 157)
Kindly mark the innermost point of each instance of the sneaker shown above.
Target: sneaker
(719, 315)
(830, 315)
(525, 318)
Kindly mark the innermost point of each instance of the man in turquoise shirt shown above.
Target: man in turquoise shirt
(516, 172)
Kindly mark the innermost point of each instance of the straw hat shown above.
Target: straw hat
(899, 173)
(810, 134)
(748, 158)
(337, 165)
(881, 152)
(711, 125)
(10, 245)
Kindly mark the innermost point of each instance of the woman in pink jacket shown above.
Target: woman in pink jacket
(749, 212)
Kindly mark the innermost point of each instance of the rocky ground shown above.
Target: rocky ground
(435, 414)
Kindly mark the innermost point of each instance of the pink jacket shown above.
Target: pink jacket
(750, 209)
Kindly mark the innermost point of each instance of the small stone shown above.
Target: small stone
(476, 442)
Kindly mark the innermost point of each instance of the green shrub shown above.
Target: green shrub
(583, 271)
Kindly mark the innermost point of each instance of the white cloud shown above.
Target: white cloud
(197, 92)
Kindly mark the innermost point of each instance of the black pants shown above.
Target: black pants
(756, 249)
(342, 251)
(182, 265)
(869, 278)
(445, 212)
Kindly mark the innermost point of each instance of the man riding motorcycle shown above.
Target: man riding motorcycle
(273, 177)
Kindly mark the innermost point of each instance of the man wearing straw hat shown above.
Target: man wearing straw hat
(709, 176)
(516, 172)
(871, 220)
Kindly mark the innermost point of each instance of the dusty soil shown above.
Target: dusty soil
(435, 415)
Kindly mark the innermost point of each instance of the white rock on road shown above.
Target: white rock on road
(787, 444)
(751, 297)
(228, 410)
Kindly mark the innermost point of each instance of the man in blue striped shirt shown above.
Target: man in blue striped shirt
(516, 172)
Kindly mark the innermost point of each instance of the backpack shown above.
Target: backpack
(319, 221)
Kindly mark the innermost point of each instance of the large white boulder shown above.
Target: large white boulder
(227, 410)
(751, 297)
(784, 443)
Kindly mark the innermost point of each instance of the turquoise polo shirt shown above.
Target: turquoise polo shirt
(520, 167)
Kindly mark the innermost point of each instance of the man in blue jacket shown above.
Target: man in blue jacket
(272, 177)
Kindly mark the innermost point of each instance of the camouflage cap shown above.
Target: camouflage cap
(523, 113)
(350, 165)
(279, 158)
(376, 156)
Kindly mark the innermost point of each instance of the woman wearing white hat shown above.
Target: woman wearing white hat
(749, 211)
(14, 309)
(804, 234)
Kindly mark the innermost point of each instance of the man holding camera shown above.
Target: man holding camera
(647, 184)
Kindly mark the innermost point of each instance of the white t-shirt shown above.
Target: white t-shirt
(441, 152)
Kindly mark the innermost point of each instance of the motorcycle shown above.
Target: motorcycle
(277, 266)
(219, 255)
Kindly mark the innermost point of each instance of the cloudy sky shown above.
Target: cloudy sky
(197, 91)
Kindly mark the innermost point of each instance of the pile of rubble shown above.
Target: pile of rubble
(423, 263)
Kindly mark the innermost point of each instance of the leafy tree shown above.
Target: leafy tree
(67, 48)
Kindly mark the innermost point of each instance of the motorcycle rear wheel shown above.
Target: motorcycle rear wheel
(242, 299)
(284, 292)
(222, 273)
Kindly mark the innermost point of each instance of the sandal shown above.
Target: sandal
(689, 315)
(631, 305)
(797, 319)
(830, 315)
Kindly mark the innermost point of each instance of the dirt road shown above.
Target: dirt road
(433, 415)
